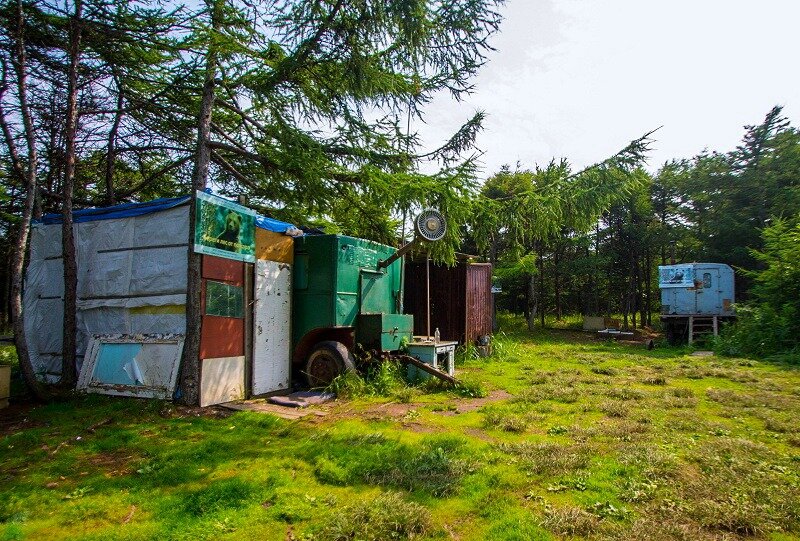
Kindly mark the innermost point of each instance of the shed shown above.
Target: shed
(132, 277)
(461, 299)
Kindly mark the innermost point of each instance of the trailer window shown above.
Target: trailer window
(706, 279)
(224, 300)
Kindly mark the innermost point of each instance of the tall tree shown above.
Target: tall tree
(24, 171)
(527, 212)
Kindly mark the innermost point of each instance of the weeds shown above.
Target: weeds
(502, 419)
(388, 516)
(549, 458)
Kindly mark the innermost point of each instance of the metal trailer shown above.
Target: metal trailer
(343, 297)
(696, 298)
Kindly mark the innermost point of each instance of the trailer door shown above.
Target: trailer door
(707, 295)
(272, 333)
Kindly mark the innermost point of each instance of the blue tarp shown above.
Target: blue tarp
(124, 210)
(271, 224)
(127, 210)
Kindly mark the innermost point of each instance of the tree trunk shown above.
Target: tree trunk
(69, 374)
(532, 308)
(190, 361)
(111, 152)
(27, 174)
(648, 277)
(540, 303)
(557, 282)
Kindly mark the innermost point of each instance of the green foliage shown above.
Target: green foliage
(770, 324)
(380, 379)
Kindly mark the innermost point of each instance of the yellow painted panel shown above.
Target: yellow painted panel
(272, 246)
(153, 310)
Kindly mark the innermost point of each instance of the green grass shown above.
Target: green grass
(556, 436)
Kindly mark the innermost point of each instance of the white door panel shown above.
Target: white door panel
(272, 336)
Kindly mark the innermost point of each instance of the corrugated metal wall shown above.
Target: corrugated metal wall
(460, 299)
(479, 300)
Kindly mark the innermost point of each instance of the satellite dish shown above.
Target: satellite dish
(430, 225)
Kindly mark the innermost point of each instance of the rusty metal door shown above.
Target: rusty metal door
(272, 332)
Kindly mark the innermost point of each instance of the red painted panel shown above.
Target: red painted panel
(223, 270)
(221, 337)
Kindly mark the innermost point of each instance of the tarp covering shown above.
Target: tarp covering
(131, 280)
(271, 224)
(125, 210)
(129, 210)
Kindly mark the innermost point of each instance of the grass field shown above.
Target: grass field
(556, 437)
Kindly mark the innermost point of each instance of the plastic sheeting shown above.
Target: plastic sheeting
(125, 210)
(131, 280)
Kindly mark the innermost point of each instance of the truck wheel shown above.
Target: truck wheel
(327, 360)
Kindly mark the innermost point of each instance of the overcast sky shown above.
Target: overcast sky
(581, 78)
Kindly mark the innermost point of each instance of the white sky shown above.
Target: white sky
(581, 78)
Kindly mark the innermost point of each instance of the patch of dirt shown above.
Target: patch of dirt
(393, 411)
(15, 418)
(471, 404)
(174, 411)
(113, 464)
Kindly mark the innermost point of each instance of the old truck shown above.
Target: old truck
(347, 292)
(696, 298)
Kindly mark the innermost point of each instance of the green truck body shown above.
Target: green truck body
(337, 287)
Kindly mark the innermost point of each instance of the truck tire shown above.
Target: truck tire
(328, 359)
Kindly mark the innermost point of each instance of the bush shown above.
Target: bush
(771, 324)
(762, 331)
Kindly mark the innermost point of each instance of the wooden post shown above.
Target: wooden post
(691, 329)
(716, 326)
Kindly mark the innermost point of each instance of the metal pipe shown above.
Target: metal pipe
(428, 292)
(397, 255)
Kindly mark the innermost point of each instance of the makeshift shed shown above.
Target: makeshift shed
(460, 299)
(132, 276)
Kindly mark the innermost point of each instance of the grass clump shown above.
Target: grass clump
(625, 393)
(549, 458)
(221, 495)
(605, 370)
(614, 408)
(470, 388)
(388, 516)
(499, 418)
(380, 379)
(571, 521)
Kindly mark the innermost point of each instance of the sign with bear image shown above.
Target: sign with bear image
(224, 228)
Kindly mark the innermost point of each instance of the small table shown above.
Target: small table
(440, 355)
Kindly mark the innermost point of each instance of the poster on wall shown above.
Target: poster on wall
(675, 276)
(224, 229)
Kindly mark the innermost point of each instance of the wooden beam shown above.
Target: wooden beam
(429, 369)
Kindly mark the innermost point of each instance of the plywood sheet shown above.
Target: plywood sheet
(221, 380)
